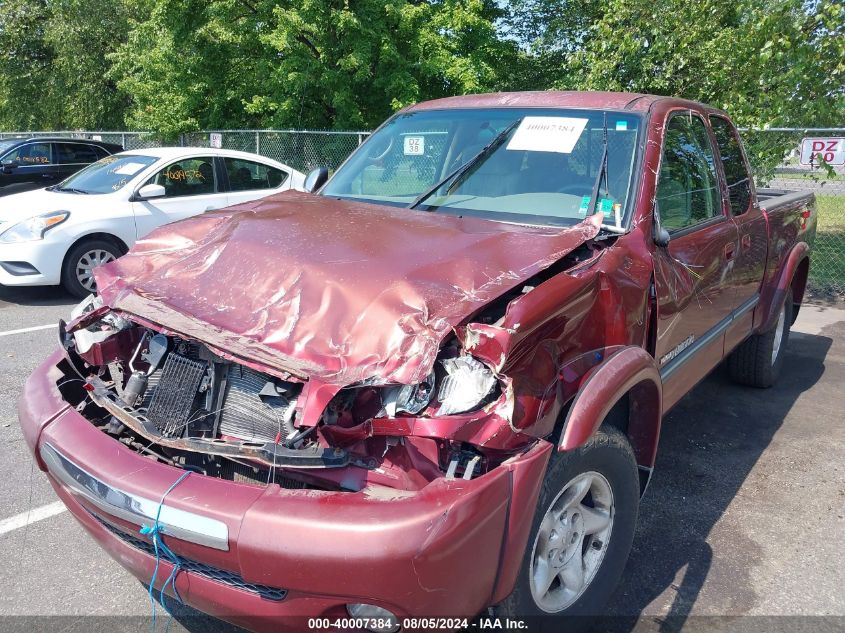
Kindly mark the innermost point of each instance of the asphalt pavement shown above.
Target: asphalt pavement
(745, 514)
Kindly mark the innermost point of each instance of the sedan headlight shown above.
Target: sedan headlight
(33, 228)
(465, 386)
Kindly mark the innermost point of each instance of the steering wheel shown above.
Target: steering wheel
(375, 158)
(573, 189)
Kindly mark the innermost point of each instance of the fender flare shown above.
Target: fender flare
(633, 371)
(776, 296)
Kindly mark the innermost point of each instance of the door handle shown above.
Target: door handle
(48, 176)
(745, 242)
(729, 250)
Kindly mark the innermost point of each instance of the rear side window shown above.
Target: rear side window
(187, 177)
(245, 175)
(75, 154)
(687, 190)
(31, 154)
(736, 173)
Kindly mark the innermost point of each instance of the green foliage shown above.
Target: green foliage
(315, 63)
(173, 66)
(53, 62)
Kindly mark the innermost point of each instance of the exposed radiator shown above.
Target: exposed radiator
(173, 397)
(248, 416)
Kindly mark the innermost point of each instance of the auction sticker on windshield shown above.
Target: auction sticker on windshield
(547, 134)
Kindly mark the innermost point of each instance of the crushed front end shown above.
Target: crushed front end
(305, 498)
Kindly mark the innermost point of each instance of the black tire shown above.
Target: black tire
(609, 454)
(753, 363)
(70, 279)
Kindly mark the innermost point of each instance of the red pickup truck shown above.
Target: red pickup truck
(433, 387)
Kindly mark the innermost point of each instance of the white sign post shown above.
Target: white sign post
(814, 151)
(215, 139)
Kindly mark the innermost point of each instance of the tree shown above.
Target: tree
(315, 63)
(767, 62)
(53, 63)
(28, 94)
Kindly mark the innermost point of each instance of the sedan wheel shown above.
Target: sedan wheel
(571, 542)
(82, 259)
(86, 264)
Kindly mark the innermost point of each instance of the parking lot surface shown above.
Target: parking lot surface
(744, 515)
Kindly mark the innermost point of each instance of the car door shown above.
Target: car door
(192, 186)
(28, 166)
(250, 180)
(752, 232)
(694, 297)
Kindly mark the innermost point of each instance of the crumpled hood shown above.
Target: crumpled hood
(335, 290)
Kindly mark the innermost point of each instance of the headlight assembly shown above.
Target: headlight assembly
(465, 386)
(33, 229)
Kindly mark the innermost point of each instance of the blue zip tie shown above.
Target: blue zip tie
(155, 531)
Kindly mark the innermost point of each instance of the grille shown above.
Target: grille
(245, 414)
(200, 569)
(173, 397)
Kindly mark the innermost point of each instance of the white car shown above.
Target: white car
(58, 235)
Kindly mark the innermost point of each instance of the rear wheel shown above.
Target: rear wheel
(78, 269)
(757, 361)
(582, 531)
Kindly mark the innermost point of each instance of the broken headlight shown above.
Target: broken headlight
(409, 398)
(465, 386)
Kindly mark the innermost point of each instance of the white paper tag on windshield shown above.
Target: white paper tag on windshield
(547, 134)
(129, 169)
(414, 145)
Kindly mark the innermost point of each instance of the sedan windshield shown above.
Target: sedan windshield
(533, 166)
(107, 175)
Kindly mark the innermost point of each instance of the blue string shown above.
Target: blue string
(155, 531)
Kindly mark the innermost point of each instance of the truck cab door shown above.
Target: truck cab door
(691, 273)
(752, 229)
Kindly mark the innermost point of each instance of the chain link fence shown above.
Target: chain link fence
(774, 154)
(301, 149)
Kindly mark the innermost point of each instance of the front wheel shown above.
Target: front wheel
(582, 531)
(78, 269)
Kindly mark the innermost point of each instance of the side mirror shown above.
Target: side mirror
(661, 235)
(148, 192)
(9, 165)
(316, 179)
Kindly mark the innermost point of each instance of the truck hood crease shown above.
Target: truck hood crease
(336, 290)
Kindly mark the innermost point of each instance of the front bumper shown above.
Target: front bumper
(44, 256)
(452, 548)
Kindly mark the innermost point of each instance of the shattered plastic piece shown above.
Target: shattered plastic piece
(465, 386)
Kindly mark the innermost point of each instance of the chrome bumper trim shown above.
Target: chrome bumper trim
(174, 522)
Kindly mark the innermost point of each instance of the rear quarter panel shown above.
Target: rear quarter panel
(792, 222)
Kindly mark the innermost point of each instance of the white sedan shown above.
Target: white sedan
(58, 235)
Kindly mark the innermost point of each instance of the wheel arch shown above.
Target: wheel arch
(95, 236)
(793, 276)
(626, 391)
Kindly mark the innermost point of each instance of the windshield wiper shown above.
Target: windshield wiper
(594, 196)
(462, 170)
(69, 189)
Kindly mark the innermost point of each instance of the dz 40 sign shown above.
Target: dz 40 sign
(815, 151)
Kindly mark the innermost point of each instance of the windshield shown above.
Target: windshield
(107, 175)
(5, 145)
(547, 166)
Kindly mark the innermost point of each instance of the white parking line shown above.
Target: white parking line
(28, 329)
(31, 516)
